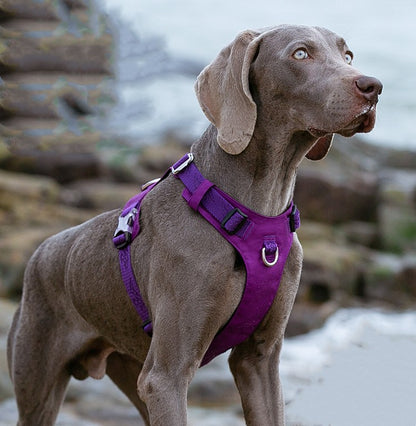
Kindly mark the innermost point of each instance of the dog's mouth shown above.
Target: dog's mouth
(362, 123)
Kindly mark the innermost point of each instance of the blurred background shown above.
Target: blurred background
(96, 98)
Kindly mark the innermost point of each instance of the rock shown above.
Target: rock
(35, 9)
(7, 310)
(65, 157)
(28, 188)
(320, 198)
(398, 228)
(65, 53)
(333, 275)
(380, 281)
(16, 247)
(362, 233)
(34, 201)
(389, 280)
(344, 187)
(156, 159)
(29, 213)
(306, 317)
(45, 112)
(331, 269)
(20, 194)
(100, 402)
(406, 280)
(51, 101)
(28, 9)
(213, 385)
(400, 159)
(98, 195)
(62, 167)
(414, 198)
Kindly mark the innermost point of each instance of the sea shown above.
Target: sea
(163, 44)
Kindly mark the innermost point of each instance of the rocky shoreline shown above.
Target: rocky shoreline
(57, 170)
(359, 261)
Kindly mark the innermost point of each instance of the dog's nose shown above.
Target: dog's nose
(369, 87)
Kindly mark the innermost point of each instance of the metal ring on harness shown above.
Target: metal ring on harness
(265, 261)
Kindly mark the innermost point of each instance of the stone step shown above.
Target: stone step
(89, 81)
(65, 53)
(65, 156)
(35, 9)
(26, 135)
(16, 126)
(51, 18)
(45, 100)
(28, 27)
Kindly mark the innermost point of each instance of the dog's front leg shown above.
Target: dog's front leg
(255, 362)
(257, 379)
(180, 339)
(163, 386)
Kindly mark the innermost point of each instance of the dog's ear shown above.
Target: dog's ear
(321, 148)
(223, 92)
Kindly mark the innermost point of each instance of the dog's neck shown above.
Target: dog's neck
(262, 177)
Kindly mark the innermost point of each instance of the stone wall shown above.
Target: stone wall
(55, 63)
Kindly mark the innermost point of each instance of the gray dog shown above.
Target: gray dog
(273, 97)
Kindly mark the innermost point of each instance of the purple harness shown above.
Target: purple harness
(263, 243)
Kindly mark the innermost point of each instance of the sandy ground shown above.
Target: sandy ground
(372, 383)
(368, 381)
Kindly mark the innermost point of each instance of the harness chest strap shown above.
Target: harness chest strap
(263, 243)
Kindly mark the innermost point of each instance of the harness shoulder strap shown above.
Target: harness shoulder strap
(201, 192)
(127, 230)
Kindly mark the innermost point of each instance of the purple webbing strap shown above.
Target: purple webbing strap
(133, 290)
(124, 235)
(199, 191)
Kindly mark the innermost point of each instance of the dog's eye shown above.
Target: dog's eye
(301, 54)
(348, 57)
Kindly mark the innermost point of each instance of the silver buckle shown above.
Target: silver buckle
(183, 165)
(125, 223)
(151, 182)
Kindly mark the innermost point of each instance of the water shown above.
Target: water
(305, 355)
(380, 33)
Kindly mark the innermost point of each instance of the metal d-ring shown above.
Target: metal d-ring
(265, 261)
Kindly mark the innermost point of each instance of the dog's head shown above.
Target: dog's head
(300, 77)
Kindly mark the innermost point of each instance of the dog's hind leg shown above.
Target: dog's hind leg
(37, 364)
(124, 372)
(42, 341)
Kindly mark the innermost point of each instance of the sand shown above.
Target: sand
(371, 383)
